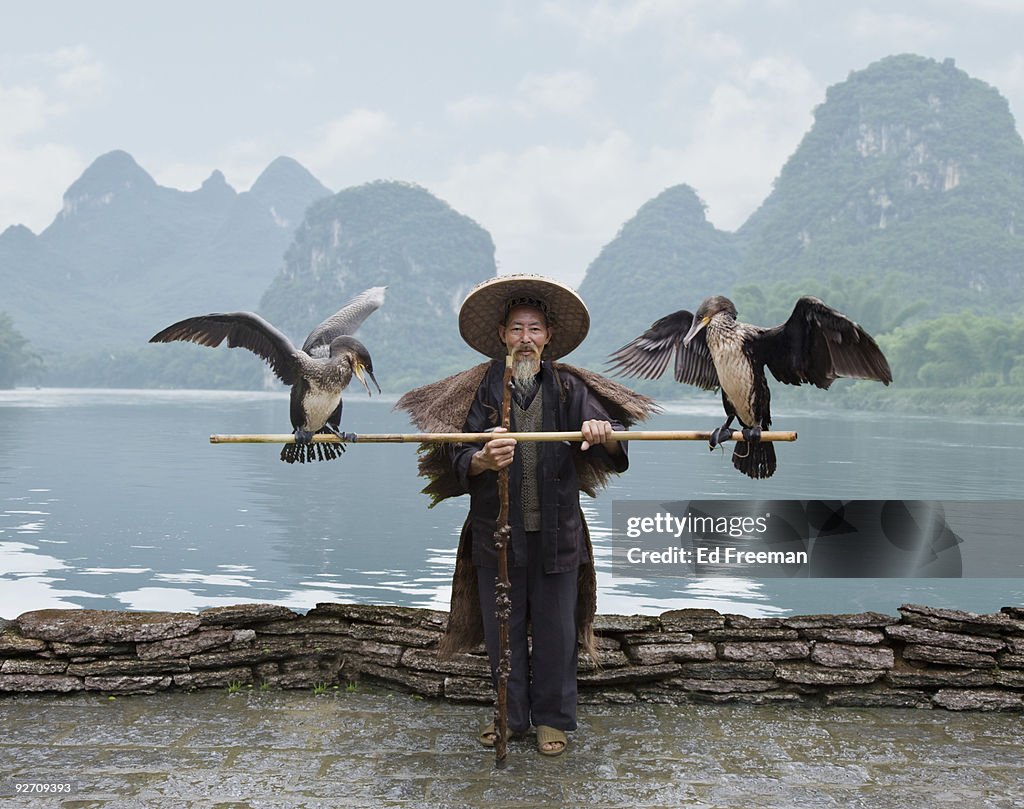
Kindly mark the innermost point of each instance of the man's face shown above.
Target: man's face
(525, 333)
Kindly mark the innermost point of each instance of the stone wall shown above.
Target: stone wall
(922, 659)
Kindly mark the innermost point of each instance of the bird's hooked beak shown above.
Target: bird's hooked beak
(695, 330)
(359, 369)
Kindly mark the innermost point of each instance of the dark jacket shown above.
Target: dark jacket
(567, 404)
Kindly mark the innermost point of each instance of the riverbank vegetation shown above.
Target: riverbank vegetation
(18, 362)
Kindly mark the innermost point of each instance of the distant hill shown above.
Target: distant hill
(901, 201)
(386, 234)
(911, 169)
(900, 204)
(126, 256)
(665, 258)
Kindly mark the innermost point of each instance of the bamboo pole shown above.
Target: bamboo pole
(480, 438)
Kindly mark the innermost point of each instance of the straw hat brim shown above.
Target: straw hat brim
(485, 308)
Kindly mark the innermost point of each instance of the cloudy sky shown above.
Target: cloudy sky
(549, 122)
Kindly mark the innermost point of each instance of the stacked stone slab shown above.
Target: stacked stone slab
(923, 658)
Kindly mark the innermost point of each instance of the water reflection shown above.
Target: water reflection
(23, 580)
(140, 511)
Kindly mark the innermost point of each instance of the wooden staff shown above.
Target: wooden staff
(503, 587)
(480, 438)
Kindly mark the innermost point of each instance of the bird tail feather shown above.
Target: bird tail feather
(308, 453)
(755, 459)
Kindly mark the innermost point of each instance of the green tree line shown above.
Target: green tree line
(961, 350)
(17, 359)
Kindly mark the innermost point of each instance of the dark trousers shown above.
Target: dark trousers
(542, 685)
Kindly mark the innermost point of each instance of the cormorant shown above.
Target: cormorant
(318, 372)
(817, 344)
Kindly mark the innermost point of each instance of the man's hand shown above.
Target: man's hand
(496, 454)
(597, 432)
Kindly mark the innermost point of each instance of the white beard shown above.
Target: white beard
(524, 373)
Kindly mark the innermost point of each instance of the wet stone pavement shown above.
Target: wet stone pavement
(377, 748)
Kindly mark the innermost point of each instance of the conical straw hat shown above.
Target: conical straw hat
(487, 305)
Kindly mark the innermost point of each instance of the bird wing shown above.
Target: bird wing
(819, 344)
(647, 356)
(241, 329)
(345, 321)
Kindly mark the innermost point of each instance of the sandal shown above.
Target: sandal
(488, 736)
(550, 735)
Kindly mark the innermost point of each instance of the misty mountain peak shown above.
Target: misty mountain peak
(17, 235)
(216, 185)
(110, 175)
(287, 176)
(285, 189)
(679, 203)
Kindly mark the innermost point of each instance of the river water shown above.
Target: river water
(115, 499)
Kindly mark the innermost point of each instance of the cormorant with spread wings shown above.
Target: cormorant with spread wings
(816, 345)
(318, 372)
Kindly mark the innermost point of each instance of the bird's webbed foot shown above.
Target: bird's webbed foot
(350, 438)
(720, 436)
(302, 436)
(752, 434)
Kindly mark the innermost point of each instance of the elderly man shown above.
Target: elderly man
(536, 321)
